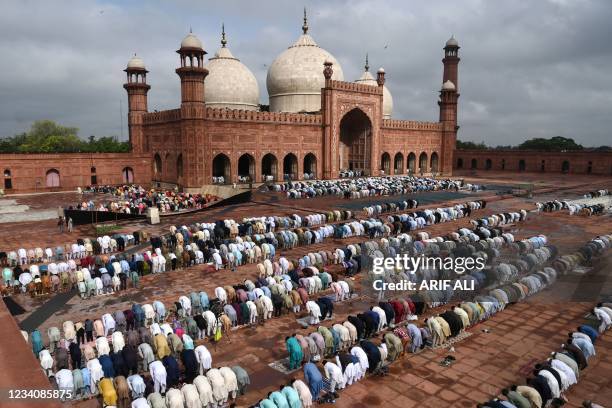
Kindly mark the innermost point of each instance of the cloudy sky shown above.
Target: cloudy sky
(528, 68)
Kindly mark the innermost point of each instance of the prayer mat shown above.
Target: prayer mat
(282, 366)
(459, 337)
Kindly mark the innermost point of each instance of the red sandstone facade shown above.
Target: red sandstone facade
(67, 171)
(193, 146)
(575, 162)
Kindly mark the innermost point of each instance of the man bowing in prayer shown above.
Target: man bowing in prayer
(295, 352)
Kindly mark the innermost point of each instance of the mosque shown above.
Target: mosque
(317, 124)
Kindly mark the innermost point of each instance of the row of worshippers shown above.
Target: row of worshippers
(551, 205)
(597, 193)
(135, 199)
(242, 304)
(347, 173)
(156, 351)
(595, 247)
(82, 248)
(551, 378)
(587, 210)
(234, 253)
(367, 356)
(364, 187)
(229, 228)
(438, 330)
(382, 208)
(353, 354)
(496, 220)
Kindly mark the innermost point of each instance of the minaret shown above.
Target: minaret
(192, 71)
(449, 96)
(451, 62)
(137, 88)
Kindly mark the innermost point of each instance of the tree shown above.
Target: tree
(557, 143)
(46, 136)
(471, 145)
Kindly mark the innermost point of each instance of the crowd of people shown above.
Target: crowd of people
(552, 377)
(587, 206)
(148, 341)
(94, 269)
(146, 356)
(135, 199)
(597, 193)
(39, 270)
(364, 187)
(338, 356)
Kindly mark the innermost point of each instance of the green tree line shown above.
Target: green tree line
(556, 143)
(46, 136)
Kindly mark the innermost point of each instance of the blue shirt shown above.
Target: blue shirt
(589, 331)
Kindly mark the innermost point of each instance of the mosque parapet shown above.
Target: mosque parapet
(411, 125)
(258, 116)
(353, 87)
(172, 115)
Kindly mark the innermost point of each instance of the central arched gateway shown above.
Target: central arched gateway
(355, 141)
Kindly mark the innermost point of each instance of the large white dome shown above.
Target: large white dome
(368, 79)
(229, 83)
(295, 78)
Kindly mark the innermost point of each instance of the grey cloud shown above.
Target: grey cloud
(529, 68)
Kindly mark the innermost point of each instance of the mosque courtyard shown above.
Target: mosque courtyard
(489, 356)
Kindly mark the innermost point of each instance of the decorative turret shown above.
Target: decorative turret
(137, 89)
(192, 71)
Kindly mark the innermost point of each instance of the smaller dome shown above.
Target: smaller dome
(136, 62)
(191, 41)
(452, 42)
(448, 86)
(381, 70)
(367, 79)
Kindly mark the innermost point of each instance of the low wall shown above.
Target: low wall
(574, 162)
(25, 173)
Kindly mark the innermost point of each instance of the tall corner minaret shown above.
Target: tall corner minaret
(137, 89)
(192, 74)
(449, 95)
(451, 62)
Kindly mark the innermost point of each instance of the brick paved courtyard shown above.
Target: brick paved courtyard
(486, 362)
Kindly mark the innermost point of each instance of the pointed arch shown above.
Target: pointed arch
(269, 167)
(290, 167)
(8, 179)
(433, 161)
(221, 169)
(179, 166)
(246, 168)
(488, 164)
(310, 166)
(385, 163)
(460, 163)
(355, 147)
(565, 166)
(52, 178)
(423, 162)
(474, 164)
(411, 163)
(398, 163)
(157, 166)
(128, 175)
